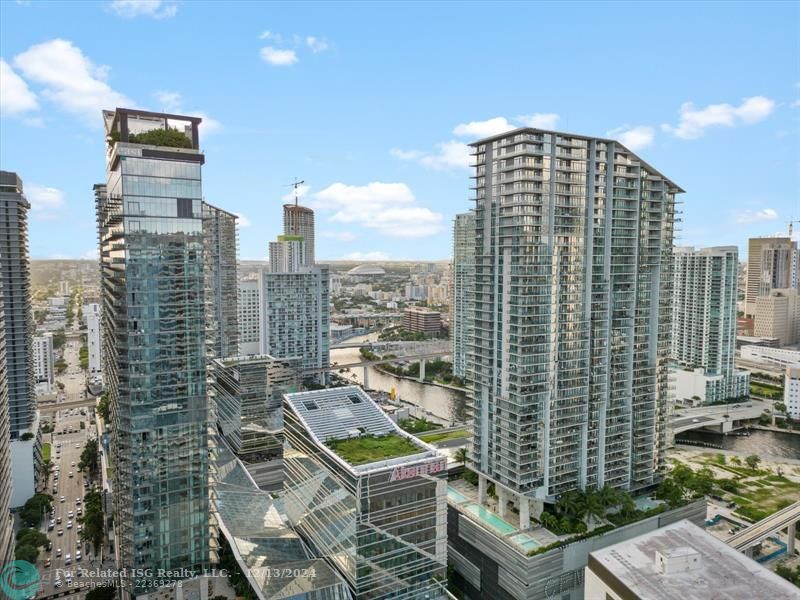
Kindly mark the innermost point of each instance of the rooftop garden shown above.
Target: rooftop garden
(370, 448)
(172, 138)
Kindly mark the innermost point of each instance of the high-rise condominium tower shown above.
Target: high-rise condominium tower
(299, 220)
(221, 246)
(463, 275)
(568, 365)
(6, 520)
(16, 279)
(157, 281)
(704, 324)
(771, 264)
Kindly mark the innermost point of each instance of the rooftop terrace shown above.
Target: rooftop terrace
(370, 448)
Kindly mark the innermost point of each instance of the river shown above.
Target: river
(763, 443)
(437, 403)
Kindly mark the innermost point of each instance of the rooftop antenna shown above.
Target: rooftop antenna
(297, 183)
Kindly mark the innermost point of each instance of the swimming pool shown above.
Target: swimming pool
(491, 519)
(525, 541)
(456, 497)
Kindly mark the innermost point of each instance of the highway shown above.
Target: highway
(758, 531)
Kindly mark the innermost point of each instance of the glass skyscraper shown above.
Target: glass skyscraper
(568, 366)
(153, 260)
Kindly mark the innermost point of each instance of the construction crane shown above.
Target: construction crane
(297, 183)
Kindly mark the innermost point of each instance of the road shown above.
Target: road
(66, 449)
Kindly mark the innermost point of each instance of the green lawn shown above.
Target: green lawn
(440, 437)
(368, 448)
(765, 390)
(45, 451)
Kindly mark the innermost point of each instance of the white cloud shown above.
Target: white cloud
(341, 236)
(268, 35)
(754, 216)
(277, 57)
(634, 138)
(539, 120)
(366, 256)
(70, 79)
(389, 208)
(693, 122)
(795, 104)
(242, 220)
(15, 96)
(450, 154)
(316, 44)
(302, 190)
(169, 101)
(155, 9)
(45, 201)
(481, 129)
(406, 154)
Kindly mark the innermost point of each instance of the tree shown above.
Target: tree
(752, 461)
(47, 468)
(571, 504)
(461, 456)
(670, 492)
(60, 365)
(89, 458)
(609, 496)
(593, 506)
(27, 553)
(780, 407)
(92, 520)
(35, 508)
(103, 407)
(104, 592)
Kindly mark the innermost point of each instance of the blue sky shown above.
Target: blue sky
(371, 104)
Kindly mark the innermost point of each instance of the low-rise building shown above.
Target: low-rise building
(421, 319)
(695, 387)
(679, 562)
(365, 494)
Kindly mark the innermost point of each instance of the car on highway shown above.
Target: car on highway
(73, 463)
(60, 532)
(47, 562)
(77, 555)
(58, 552)
(67, 559)
(58, 520)
(58, 583)
(69, 524)
(69, 514)
(61, 499)
(68, 578)
(80, 528)
(70, 474)
(79, 512)
(51, 525)
(49, 546)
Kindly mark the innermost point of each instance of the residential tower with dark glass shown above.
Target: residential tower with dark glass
(153, 257)
(568, 364)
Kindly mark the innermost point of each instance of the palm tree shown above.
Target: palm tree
(461, 455)
(609, 496)
(571, 504)
(47, 468)
(593, 507)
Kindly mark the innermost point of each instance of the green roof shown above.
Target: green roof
(290, 238)
(369, 448)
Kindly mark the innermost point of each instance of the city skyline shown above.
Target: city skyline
(383, 155)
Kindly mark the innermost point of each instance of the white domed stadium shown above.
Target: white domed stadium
(367, 271)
